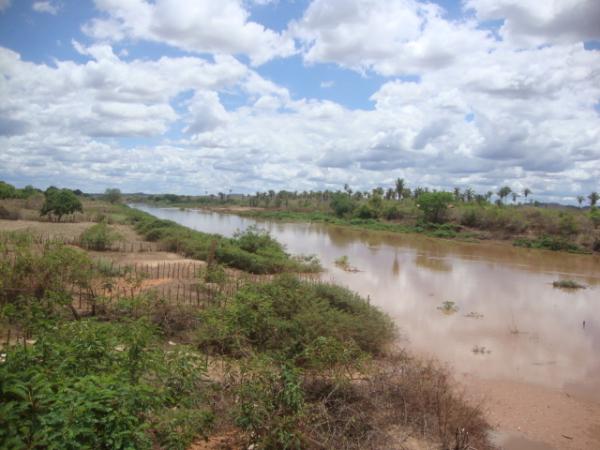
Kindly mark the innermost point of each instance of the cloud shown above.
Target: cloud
(46, 7)
(391, 37)
(4, 5)
(202, 26)
(481, 111)
(531, 22)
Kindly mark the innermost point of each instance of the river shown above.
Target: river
(511, 324)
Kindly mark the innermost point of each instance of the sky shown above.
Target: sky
(201, 96)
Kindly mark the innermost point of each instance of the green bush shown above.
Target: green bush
(435, 205)
(342, 204)
(392, 212)
(548, 243)
(270, 403)
(471, 217)
(568, 225)
(366, 211)
(286, 316)
(60, 202)
(98, 237)
(87, 384)
(253, 251)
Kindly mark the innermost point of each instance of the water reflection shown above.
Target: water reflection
(533, 331)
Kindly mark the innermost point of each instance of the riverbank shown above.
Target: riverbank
(442, 231)
(278, 361)
(508, 322)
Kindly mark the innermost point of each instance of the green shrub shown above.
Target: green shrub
(366, 211)
(342, 204)
(60, 202)
(567, 284)
(270, 403)
(568, 226)
(435, 205)
(87, 384)
(548, 243)
(253, 251)
(471, 217)
(255, 240)
(392, 212)
(286, 316)
(98, 237)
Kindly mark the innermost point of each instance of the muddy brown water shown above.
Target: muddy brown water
(511, 323)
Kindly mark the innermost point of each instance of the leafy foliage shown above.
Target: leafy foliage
(87, 384)
(342, 204)
(284, 318)
(98, 237)
(113, 195)
(60, 202)
(435, 205)
(253, 251)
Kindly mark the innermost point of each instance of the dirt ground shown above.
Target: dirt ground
(66, 230)
(529, 417)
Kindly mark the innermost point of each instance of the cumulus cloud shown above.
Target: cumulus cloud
(481, 110)
(46, 7)
(531, 22)
(392, 37)
(203, 26)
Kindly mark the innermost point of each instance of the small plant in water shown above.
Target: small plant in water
(480, 350)
(568, 284)
(342, 262)
(448, 307)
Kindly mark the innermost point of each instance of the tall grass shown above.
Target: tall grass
(252, 251)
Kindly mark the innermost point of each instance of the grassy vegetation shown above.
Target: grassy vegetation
(253, 251)
(458, 214)
(98, 237)
(284, 363)
(567, 284)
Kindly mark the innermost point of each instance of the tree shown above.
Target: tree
(526, 193)
(435, 205)
(341, 204)
(514, 197)
(593, 197)
(504, 192)
(112, 195)
(400, 185)
(469, 194)
(580, 199)
(60, 202)
(7, 190)
(457, 193)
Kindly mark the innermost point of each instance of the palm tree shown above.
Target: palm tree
(526, 192)
(514, 197)
(469, 194)
(580, 199)
(594, 197)
(400, 183)
(504, 192)
(457, 193)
